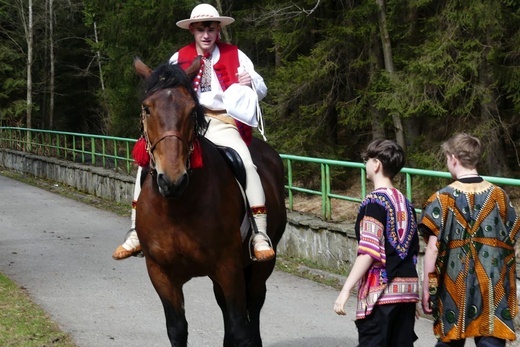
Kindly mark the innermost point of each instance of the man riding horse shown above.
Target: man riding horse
(229, 88)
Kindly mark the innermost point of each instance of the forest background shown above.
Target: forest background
(340, 72)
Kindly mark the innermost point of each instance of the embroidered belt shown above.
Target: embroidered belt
(221, 115)
(401, 289)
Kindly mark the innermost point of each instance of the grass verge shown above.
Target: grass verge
(23, 323)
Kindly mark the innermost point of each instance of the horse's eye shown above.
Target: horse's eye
(146, 110)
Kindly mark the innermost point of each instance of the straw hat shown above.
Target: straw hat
(204, 13)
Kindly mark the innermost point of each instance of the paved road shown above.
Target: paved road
(60, 251)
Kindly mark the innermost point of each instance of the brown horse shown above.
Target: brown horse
(188, 219)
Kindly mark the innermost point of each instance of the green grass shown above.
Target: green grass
(23, 323)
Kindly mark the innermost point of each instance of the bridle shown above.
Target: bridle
(150, 146)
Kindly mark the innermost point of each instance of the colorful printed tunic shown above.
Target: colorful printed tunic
(386, 230)
(476, 227)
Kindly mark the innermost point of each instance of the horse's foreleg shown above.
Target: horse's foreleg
(176, 324)
(172, 300)
(221, 301)
(229, 287)
(256, 276)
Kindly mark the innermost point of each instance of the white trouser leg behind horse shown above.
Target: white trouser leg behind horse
(226, 134)
(131, 246)
(222, 134)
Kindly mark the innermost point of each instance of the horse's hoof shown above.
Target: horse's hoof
(263, 253)
(121, 253)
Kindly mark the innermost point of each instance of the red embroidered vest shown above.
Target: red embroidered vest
(225, 69)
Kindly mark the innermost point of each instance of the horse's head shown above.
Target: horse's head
(171, 118)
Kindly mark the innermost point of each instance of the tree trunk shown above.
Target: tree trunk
(29, 38)
(377, 117)
(52, 63)
(412, 125)
(104, 101)
(332, 123)
(98, 56)
(389, 66)
(225, 34)
(494, 158)
(277, 47)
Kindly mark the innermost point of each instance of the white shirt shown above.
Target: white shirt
(213, 99)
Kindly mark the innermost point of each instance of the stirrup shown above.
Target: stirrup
(252, 246)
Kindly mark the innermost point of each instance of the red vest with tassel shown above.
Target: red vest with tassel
(225, 69)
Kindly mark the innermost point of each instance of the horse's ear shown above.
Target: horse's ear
(141, 68)
(194, 68)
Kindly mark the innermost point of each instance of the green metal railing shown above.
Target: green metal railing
(115, 153)
(106, 151)
(325, 181)
(407, 176)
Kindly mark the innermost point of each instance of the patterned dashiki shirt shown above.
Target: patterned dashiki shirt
(386, 229)
(476, 227)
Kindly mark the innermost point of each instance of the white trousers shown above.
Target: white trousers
(224, 134)
(137, 191)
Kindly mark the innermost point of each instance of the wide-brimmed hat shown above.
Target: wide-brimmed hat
(204, 13)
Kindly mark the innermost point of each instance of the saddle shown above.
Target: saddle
(235, 163)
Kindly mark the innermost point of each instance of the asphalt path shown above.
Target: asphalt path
(60, 250)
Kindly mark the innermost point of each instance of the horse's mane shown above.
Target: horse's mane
(172, 76)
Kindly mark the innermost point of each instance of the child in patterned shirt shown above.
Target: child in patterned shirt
(470, 228)
(385, 268)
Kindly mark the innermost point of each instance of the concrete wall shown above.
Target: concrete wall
(89, 179)
(330, 245)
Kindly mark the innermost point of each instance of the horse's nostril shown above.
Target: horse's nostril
(169, 188)
(160, 179)
(183, 182)
(163, 182)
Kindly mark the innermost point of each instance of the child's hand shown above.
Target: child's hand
(339, 305)
(244, 78)
(426, 302)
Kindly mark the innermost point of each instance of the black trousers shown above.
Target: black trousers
(388, 326)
